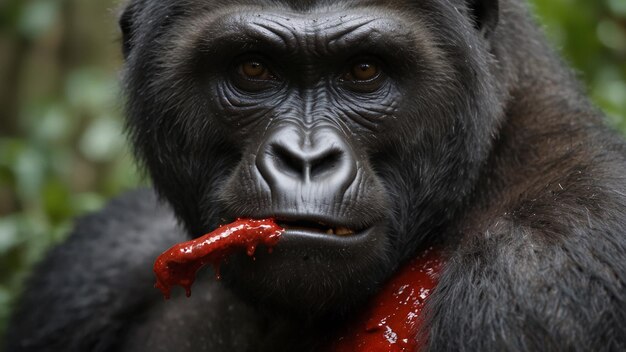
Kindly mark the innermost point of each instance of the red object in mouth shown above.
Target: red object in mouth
(392, 320)
(179, 264)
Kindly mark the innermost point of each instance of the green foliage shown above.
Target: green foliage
(592, 37)
(62, 150)
(69, 158)
(62, 147)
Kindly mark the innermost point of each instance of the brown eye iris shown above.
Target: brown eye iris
(255, 70)
(364, 71)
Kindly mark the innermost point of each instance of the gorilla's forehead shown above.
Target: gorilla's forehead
(322, 31)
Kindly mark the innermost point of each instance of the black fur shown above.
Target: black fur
(475, 138)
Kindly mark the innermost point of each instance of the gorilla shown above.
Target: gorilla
(372, 130)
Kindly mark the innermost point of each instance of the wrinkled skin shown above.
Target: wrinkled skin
(309, 144)
(469, 134)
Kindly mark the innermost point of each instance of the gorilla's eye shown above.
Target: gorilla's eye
(364, 76)
(364, 71)
(255, 70)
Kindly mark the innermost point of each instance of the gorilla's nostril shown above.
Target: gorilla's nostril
(325, 162)
(287, 161)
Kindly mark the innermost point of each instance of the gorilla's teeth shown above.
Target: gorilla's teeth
(330, 232)
(343, 231)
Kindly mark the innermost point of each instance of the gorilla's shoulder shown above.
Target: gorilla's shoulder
(127, 229)
(130, 212)
(96, 277)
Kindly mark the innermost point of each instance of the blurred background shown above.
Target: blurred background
(62, 149)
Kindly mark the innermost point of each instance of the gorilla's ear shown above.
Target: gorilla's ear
(485, 14)
(126, 23)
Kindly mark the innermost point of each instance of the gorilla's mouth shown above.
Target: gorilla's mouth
(315, 227)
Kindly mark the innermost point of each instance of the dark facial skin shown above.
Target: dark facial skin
(303, 114)
(307, 126)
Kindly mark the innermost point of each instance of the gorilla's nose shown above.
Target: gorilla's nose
(305, 165)
(313, 160)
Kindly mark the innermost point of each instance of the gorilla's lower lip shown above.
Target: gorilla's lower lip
(299, 236)
(313, 228)
(310, 225)
(316, 227)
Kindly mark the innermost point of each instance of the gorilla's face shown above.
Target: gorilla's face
(359, 128)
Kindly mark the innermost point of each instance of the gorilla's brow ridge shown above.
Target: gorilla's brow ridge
(316, 33)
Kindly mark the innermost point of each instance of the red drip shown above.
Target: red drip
(392, 321)
(179, 264)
